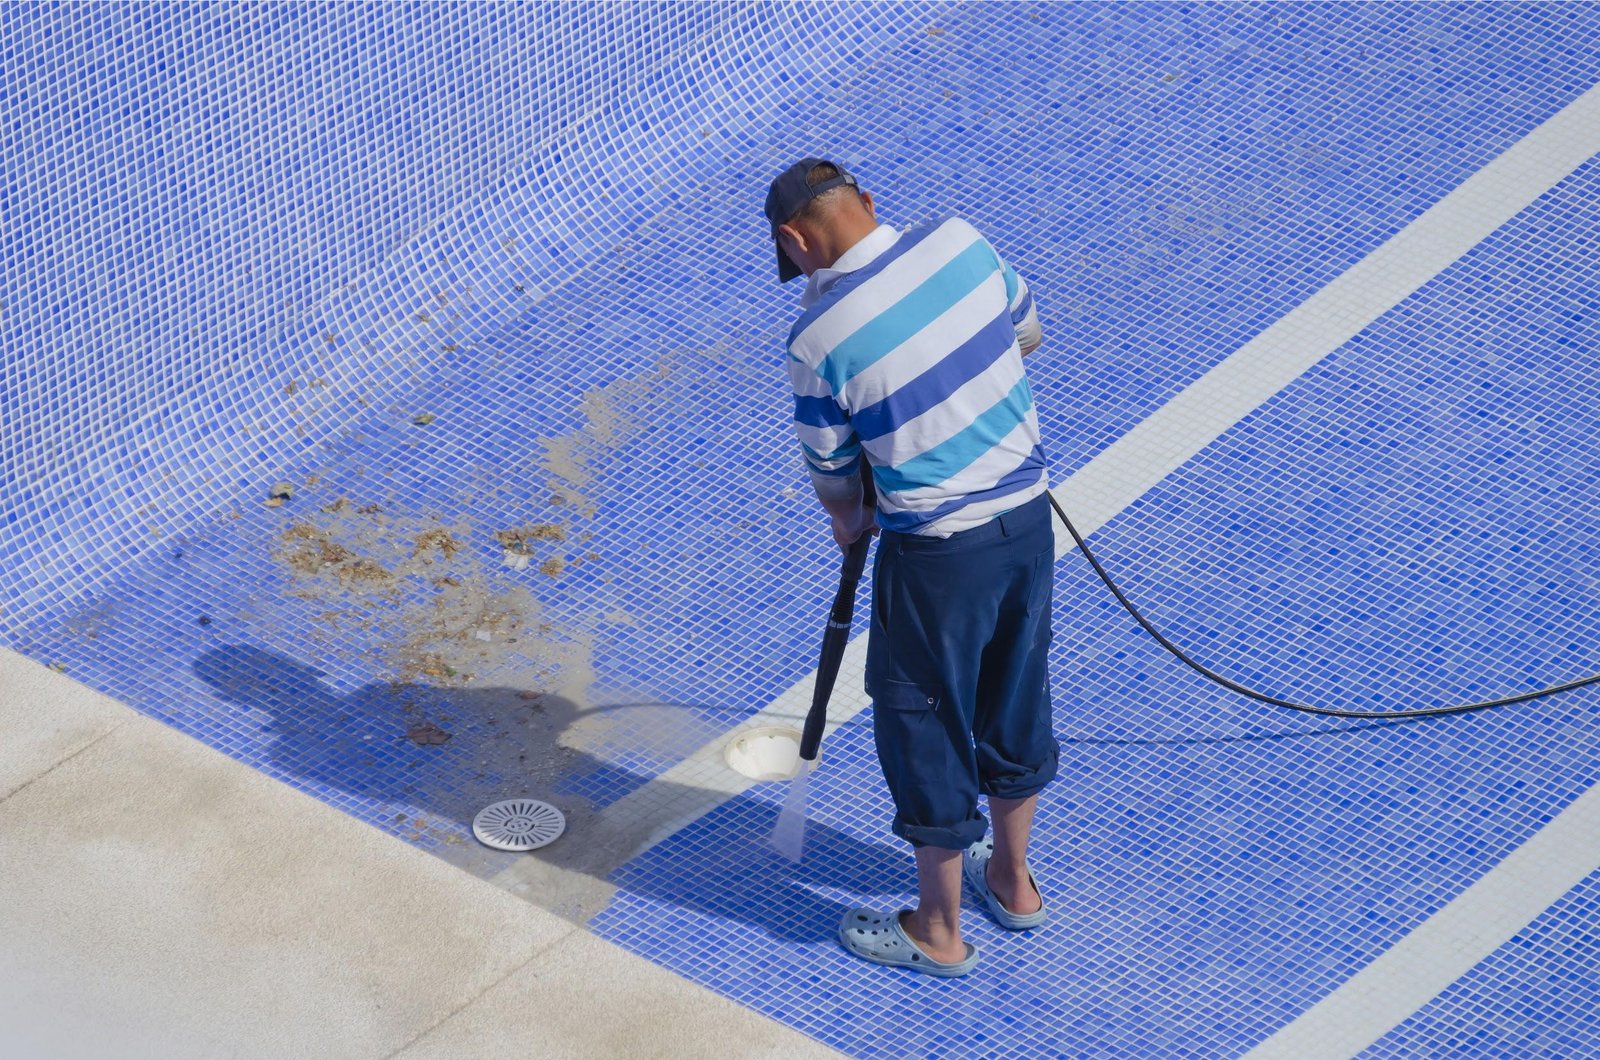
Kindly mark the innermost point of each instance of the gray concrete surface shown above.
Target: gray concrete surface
(160, 899)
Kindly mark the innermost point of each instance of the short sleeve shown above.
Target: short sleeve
(828, 442)
(1019, 299)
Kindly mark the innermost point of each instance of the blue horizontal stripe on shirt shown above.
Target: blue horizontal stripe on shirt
(964, 364)
(832, 295)
(819, 412)
(947, 459)
(1019, 314)
(875, 339)
(1019, 478)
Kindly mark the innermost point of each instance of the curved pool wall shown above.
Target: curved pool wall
(248, 246)
(208, 203)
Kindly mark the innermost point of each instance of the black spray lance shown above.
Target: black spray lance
(789, 835)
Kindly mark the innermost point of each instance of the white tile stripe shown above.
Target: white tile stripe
(1199, 414)
(1512, 894)
(1445, 946)
(1122, 472)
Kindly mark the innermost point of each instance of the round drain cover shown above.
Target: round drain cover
(771, 752)
(518, 824)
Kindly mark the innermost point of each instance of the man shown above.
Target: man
(907, 363)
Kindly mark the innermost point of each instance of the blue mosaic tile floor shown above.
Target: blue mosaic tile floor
(1216, 867)
(1406, 523)
(1535, 996)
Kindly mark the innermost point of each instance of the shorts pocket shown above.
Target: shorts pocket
(905, 695)
(914, 745)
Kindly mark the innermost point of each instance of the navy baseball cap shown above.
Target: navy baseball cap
(789, 192)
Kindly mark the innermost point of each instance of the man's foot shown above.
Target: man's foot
(1017, 893)
(881, 938)
(949, 949)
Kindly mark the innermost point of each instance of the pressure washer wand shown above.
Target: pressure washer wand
(789, 834)
(838, 632)
(833, 642)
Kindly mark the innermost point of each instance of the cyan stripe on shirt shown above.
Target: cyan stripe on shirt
(965, 363)
(1011, 283)
(1019, 478)
(884, 333)
(946, 459)
(844, 283)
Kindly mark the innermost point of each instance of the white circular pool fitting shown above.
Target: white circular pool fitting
(771, 752)
(518, 824)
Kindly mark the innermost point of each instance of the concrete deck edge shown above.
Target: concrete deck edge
(159, 898)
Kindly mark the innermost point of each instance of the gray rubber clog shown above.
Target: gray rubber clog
(879, 938)
(975, 866)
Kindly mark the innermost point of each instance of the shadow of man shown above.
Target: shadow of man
(445, 753)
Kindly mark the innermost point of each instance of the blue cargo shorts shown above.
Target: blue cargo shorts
(956, 669)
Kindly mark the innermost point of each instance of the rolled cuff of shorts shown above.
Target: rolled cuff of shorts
(1020, 784)
(956, 837)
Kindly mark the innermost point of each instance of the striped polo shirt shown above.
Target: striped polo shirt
(912, 359)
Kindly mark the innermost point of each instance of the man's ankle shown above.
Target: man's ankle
(1008, 872)
(1017, 886)
(930, 919)
(939, 940)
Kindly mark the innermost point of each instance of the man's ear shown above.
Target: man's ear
(866, 200)
(795, 237)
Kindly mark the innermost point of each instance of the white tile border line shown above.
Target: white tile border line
(1124, 471)
(1448, 944)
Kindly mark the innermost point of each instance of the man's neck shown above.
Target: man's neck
(847, 239)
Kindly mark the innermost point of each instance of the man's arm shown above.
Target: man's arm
(846, 506)
(1020, 299)
(832, 453)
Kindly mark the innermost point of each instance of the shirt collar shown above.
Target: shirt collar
(865, 250)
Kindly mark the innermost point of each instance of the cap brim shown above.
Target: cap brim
(787, 269)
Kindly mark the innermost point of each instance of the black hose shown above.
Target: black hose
(1274, 700)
